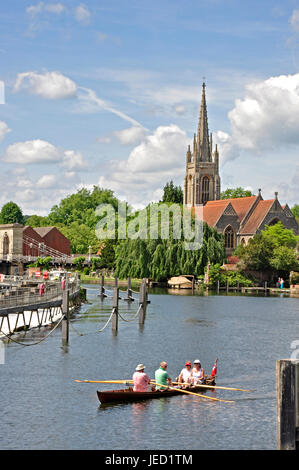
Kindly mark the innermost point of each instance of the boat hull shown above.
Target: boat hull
(127, 394)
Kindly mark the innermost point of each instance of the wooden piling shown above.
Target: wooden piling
(129, 291)
(115, 308)
(102, 288)
(287, 404)
(142, 302)
(66, 314)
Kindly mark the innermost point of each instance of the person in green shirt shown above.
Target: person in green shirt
(162, 377)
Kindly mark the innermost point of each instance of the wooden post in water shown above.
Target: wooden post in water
(115, 307)
(102, 288)
(287, 404)
(218, 286)
(142, 302)
(227, 286)
(129, 291)
(65, 325)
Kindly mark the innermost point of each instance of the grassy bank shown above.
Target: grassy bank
(108, 280)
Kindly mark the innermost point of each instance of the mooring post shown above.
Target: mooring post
(287, 404)
(66, 313)
(227, 286)
(129, 290)
(218, 286)
(102, 288)
(142, 302)
(115, 307)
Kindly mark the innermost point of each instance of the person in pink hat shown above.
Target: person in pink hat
(140, 379)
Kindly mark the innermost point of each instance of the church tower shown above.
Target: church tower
(202, 181)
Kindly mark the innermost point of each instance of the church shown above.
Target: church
(238, 219)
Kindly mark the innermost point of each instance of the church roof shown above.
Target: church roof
(257, 216)
(213, 210)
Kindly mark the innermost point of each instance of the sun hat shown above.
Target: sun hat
(187, 363)
(197, 361)
(140, 367)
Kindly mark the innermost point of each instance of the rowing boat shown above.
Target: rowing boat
(127, 394)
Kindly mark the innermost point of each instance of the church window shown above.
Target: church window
(205, 189)
(229, 236)
(274, 221)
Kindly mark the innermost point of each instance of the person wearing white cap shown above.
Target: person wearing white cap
(197, 373)
(140, 379)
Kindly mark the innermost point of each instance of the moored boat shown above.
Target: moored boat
(127, 394)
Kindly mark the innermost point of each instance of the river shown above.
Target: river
(43, 408)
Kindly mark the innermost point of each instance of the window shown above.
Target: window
(205, 189)
(5, 244)
(229, 236)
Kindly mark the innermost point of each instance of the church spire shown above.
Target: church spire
(203, 130)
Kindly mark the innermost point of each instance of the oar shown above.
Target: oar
(104, 381)
(196, 394)
(217, 387)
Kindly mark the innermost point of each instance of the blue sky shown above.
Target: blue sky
(108, 93)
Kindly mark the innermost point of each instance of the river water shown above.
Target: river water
(43, 408)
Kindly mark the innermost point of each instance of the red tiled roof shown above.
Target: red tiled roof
(257, 216)
(212, 212)
(213, 209)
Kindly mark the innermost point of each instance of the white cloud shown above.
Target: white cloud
(130, 136)
(159, 158)
(47, 181)
(42, 152)
(49, 85)
(4, 129)
(266, 119)
(72, 160)
(56, 8)
(35, 9)
(82, 14)
(294, 20)
(268, 115)
(32, 151)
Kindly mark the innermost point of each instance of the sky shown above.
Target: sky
(108, 93)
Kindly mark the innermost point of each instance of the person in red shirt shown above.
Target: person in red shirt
(140, 379)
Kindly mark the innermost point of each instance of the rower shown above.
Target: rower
(197, 373)
(185, 374)
(140, 379)
(162, 377)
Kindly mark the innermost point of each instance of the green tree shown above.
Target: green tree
(295, 211)
(172, 193)
(37, 221)
(11, 213)
(284, 259)
(80, 207)
(278, 235)
(232, 193)
(81, 236)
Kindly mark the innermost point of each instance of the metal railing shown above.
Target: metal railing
(32, 295)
